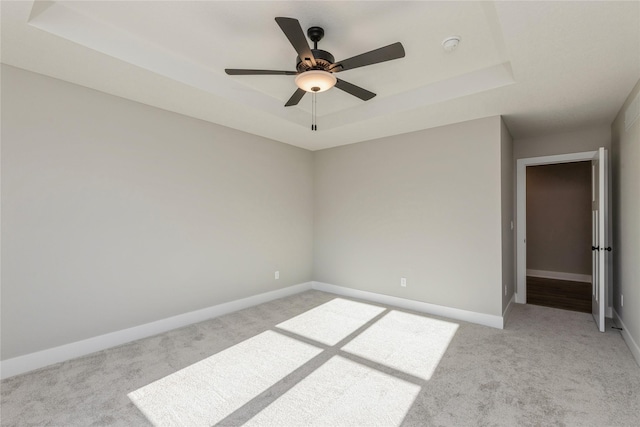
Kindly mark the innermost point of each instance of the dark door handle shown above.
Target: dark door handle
(595, 248)
(607, 248)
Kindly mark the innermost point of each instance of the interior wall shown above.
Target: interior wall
(115, 214)
(559, 218)
(507, 168)
(626, 224)
(587, 139)
(425, 206)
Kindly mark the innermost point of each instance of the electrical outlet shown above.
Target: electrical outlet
(621, 300)
(277, 275)
(403, 282)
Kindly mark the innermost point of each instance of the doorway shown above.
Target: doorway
(559, 228)
(601, 271)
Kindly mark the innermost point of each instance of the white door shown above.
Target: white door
(600, 240)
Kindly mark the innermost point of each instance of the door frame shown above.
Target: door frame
(521, 211)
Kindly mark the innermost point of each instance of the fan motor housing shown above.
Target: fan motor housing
(324, 60)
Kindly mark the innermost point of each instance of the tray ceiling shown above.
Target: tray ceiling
(545, 66)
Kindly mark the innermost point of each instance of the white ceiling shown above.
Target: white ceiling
(545, 66)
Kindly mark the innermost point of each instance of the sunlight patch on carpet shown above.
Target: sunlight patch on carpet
(333, 321)
(406, 342)
(207, 391)
(341, 392)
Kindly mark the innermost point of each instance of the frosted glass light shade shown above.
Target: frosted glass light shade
(316, 81)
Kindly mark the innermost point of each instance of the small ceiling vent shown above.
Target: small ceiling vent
(632, 113)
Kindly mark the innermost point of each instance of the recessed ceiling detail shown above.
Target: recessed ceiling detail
(172, 55)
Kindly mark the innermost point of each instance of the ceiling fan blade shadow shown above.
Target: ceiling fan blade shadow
(295, 98)
(292, 29)
(354, 90)
(242, 72)
(383, 54)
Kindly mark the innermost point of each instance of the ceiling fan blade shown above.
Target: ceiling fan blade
(354, 90)
(292, 29)
(240, 72)
(295, 98)
(387, 53)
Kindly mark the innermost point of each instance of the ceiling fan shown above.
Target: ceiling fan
(316, 67)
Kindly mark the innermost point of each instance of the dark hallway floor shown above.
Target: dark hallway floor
(574, 296)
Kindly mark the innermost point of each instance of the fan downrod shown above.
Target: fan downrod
(315, 35)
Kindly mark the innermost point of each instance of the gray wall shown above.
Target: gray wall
(425, 206)
(508, 213)
(626, 219)
(588, 139)
(115, 214)
(559, 218)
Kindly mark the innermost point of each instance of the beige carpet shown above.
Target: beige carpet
(332, 321)
(548, 367)
(407, 342)
(341, 392)
(208, 391)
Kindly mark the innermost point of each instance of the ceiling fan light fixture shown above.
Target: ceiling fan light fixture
(316, 81)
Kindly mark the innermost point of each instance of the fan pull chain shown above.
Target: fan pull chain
(314, 126)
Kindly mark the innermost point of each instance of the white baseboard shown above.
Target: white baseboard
(507, 310)
(424, 307)
(559, 275)
(633, 346)
(40, 359)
